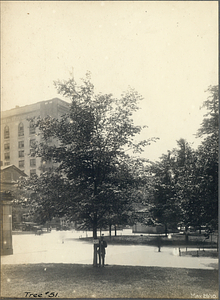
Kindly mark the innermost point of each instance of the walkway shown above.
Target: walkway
(66, 247)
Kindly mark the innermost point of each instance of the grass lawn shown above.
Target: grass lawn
(175, 240)
(85, 281)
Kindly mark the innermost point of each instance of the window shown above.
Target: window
(31, 128)
(7, 146)
(21, 153)
(21, 163)
(6, 132)
(32, 172)
(20, 129)
(32, 162)
(32, 143)
(7, 155)
(7, 163)
(21, 144)
(32, 152)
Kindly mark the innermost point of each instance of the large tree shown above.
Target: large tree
(186, 180)
(199, 182)
(92, 158)
(186, 185)
(208, 156)
(165, 208)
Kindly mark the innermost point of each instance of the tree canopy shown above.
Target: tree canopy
(185, 186)
(98, 181)
(208, 155)
(95, 174)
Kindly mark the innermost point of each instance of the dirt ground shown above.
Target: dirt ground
(86, 281)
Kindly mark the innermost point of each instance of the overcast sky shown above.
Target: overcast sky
(167, 51)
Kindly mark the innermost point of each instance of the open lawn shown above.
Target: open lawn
(176, 240)
(78, 281)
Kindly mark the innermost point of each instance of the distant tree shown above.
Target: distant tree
(126, 200)
(185, 181)
(45, 195)
(174, 194)
(198, 174)
(165, 208)
(186, 185)
(208, 181)
(210, 124)
(208, 155)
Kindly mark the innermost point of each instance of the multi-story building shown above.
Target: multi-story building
(18, 135)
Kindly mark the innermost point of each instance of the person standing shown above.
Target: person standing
(102, 246)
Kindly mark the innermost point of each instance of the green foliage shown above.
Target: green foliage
(208, 156)
(165, 208)
(210, 123)
(185, 187)
(95, 179)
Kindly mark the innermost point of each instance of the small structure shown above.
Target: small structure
(141, 228)
(150, 226)
(9, 177)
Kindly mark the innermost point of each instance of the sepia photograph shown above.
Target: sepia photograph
(109, 150)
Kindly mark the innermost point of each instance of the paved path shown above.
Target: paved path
(66, 247)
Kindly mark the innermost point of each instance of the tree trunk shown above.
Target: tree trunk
(110, 230)
(94, 238)
(166, 231)
(94, 232)
(95, 255)
(186, 235)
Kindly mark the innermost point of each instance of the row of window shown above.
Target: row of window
(21, 162)
(20, 130)
(20, 154)
(20, 144)
(32, 163)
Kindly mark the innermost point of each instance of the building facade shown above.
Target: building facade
(18, 135)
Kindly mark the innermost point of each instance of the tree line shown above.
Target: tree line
(185, 181)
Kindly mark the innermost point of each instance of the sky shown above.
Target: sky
(166, 50)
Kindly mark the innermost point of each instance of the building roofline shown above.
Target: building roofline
(39, 102)
(15, 168)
